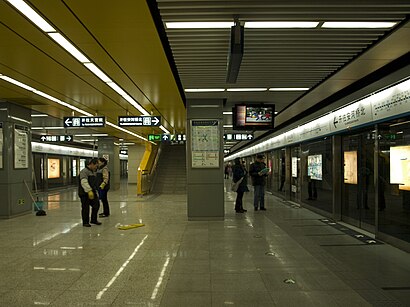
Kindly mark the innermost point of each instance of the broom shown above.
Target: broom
(38, 204)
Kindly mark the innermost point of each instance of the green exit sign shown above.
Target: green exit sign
(154, 137)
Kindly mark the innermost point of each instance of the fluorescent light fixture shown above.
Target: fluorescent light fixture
(256, 89)
(18, 83)
(94, 134)
(96, 71)
(357, 24)
(199, 25)
(39, 115)
(228, 126)
(276, 112)
(99, 134)
(129, 144)
(63, 150)
(281, 24)
(20, 119)
(125, 130)
(34, 17)
(63, 42)
(136, 104)
(204, 90)
(117, 89)
(89, 140)
(284, 89)
(227, 113)
(47, 128)
(164, 129)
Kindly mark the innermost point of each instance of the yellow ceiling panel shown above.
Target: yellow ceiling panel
(112, 39)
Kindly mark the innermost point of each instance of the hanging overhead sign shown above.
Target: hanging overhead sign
(154, 137)
(89, 121)
(145, 121)
(56, 138)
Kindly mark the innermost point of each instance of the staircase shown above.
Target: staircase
(171, 171)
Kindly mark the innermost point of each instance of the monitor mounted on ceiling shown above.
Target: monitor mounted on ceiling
(253, 116)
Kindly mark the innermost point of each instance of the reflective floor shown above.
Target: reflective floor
(285, 256)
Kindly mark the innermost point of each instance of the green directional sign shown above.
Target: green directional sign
(154, 137)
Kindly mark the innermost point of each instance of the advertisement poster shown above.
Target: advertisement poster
(53, 168)
(294, 167)
(315, 167)
(74, 168)
(400, 167)
(350, 167)
(1, 145)
(21, 157)
(205, 144)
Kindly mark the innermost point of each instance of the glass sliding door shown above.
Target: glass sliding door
(358, 197)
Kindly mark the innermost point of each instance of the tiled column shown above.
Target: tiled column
(205, 185)
(16, 160)
(107, 149)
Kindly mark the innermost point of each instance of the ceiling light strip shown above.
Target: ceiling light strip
(256, 89)
(199, 25)
(358, 25)
(125, 130)
(40, 22)
(22, 85)
(32, 15)
(63, 42)
(284, 89)
(280, 24)
(164, 129)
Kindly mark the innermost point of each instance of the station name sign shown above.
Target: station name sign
(140, 121)
(90, 121)
(56, 138)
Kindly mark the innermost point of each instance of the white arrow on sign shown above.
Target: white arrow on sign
(165, 137)
(155, 120)
(68, 138)
(68, 122)
(250, 136)
(43, 138)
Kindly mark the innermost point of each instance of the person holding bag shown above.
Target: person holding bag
(239, 176)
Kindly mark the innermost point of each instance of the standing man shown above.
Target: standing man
(103, 175)
(87, 191)
(258, 172)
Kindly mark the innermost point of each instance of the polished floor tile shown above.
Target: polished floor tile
(245, 260)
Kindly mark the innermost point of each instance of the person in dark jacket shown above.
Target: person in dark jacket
(238, 172)
(87, 191)
(103, 175)
(258, 172)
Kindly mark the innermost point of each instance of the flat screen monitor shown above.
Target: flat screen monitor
(253, 116)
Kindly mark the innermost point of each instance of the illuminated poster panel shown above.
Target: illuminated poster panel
(21, 145)
(53, 168)
(1, 145)
(400, 166)
(350, 167)
(315, 167)
(294, 167)
(74, 168)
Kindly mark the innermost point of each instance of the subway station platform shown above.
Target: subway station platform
(285, 256)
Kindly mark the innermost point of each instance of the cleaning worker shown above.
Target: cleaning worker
(87, 191)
